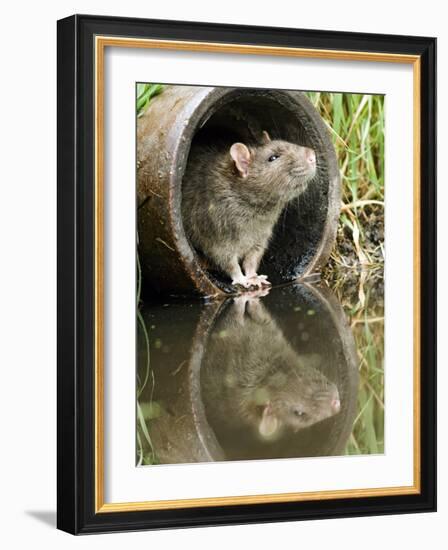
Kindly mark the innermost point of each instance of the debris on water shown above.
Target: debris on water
(151, 410)
(179, 368)
(165, 244)
(158, 343)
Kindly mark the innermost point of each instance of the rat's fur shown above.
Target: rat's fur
(232, 199)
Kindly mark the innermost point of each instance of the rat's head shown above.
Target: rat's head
(276, 168)
(297, 399)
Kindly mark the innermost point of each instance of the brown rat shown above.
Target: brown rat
(253, 376)
(233, 197)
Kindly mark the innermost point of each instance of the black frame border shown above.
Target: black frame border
(76, 262)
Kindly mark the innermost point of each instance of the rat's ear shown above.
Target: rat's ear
(265, 137)
(268, 423)
(241, 157)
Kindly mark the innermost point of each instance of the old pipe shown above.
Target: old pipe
(305, 233)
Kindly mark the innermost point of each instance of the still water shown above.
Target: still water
(274, 374)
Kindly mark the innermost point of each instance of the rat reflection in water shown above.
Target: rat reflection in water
(254, 377)
(269, 374)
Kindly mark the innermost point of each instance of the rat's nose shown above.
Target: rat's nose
(310, 156)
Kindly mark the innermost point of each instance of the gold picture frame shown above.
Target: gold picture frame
(98, 34)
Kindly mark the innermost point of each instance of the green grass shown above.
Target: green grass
(145, 448)
(355, 272)
(356, 125)
(365, 315)
(145, 92)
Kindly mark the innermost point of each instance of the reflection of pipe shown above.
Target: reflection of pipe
(183, 433)
(180, 434)
(204, 433)
(303, 240)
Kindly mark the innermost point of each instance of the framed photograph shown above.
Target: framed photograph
(246, 274)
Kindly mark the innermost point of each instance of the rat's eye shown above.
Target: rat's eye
(299, 413)
(273, 157)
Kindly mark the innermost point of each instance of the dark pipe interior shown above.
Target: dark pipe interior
(301, 225)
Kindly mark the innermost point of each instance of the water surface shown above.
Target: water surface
(251, 377)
